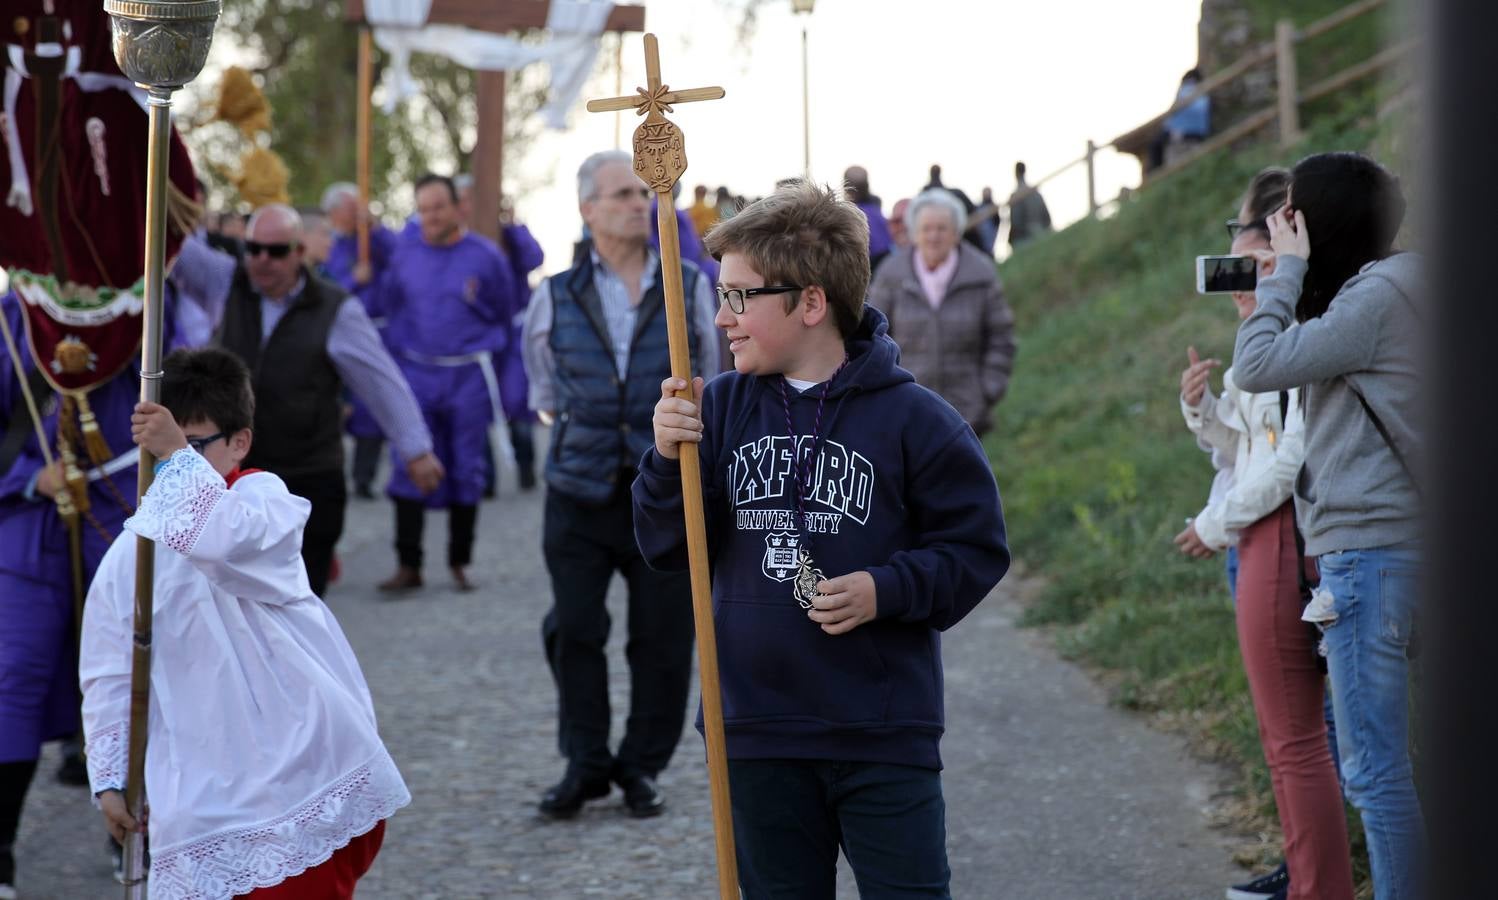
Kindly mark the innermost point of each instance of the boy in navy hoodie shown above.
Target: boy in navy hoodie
(852, 517)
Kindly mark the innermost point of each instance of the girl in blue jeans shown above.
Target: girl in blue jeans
(1359, 305)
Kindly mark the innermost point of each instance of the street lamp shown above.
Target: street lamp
(805, 6)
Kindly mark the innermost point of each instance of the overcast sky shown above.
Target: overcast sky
(895, 86)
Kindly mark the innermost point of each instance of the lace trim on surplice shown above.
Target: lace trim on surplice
(182, 497)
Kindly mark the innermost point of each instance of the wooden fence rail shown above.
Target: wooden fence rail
(1290, 99)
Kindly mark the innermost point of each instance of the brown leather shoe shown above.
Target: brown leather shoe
(404, 579)
(460, 580)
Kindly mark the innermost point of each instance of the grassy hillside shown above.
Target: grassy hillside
(1095, 464)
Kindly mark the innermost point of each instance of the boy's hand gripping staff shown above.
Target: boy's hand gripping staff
(660, 159)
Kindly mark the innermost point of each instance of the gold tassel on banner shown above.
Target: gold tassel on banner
(67, 435)
(93, 438)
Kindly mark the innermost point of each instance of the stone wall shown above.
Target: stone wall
(1228, 29)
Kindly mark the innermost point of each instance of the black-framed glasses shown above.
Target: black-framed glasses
(1236, 227)
(735, 297)
(198, 443)
(274, 251)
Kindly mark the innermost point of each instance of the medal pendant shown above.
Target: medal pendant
(807, 577)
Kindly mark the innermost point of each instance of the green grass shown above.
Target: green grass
(1096, 467)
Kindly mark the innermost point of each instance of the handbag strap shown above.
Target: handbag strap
(1384, 433)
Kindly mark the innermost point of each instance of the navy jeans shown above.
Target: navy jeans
(790, 817)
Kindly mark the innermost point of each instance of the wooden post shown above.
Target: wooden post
(660, 160)
(498, 17)
(1091, 179)
(488, 155)
(1288, 81)
(366, 65)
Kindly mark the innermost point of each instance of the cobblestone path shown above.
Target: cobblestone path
(1050, 792)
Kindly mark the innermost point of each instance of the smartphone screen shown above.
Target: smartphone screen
(1225, 274)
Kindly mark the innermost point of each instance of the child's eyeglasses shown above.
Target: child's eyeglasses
(735, 297)
(274, 251)
(198, 443)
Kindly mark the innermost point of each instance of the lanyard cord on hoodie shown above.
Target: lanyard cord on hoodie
(801, 474)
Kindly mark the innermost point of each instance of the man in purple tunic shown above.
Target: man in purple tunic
(525, 256)
(38, 640)
(857, 180)
(449, 304)
(340, 202)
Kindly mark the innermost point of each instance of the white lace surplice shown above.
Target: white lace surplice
(263, 757)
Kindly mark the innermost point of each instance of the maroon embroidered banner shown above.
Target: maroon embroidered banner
(74, 214)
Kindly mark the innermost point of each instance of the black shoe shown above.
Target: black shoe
(567, 796)
(1265, 887)
(527, 479)
(73, 771)
(642, 796)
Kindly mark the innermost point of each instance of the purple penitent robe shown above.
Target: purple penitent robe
(525, 256)
(342, 257)
(449, 313)
(38, 655)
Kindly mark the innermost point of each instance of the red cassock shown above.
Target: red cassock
(76, 278)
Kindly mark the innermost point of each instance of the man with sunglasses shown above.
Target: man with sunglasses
(596, 353)
(303, 338)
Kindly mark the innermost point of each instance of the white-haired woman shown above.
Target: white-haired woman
(947, 311)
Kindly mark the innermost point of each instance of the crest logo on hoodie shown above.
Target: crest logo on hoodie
(781, 555)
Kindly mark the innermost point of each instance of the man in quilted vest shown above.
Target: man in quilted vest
(596, 353)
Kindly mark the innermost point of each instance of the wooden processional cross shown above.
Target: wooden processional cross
(660, 159)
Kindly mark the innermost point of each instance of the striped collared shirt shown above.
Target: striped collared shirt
(619, 316)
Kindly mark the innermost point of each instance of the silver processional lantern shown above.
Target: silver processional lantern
(161, 45)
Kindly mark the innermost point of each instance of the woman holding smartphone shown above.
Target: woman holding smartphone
(1357, 304)
(1262, 433)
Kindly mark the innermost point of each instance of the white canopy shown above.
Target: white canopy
(400, 28)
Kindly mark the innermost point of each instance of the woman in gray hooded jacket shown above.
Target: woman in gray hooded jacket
(1354, 354)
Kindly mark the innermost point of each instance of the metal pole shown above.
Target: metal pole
(160, 45)
(159, 105)
(805, 103)
(362, 118)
